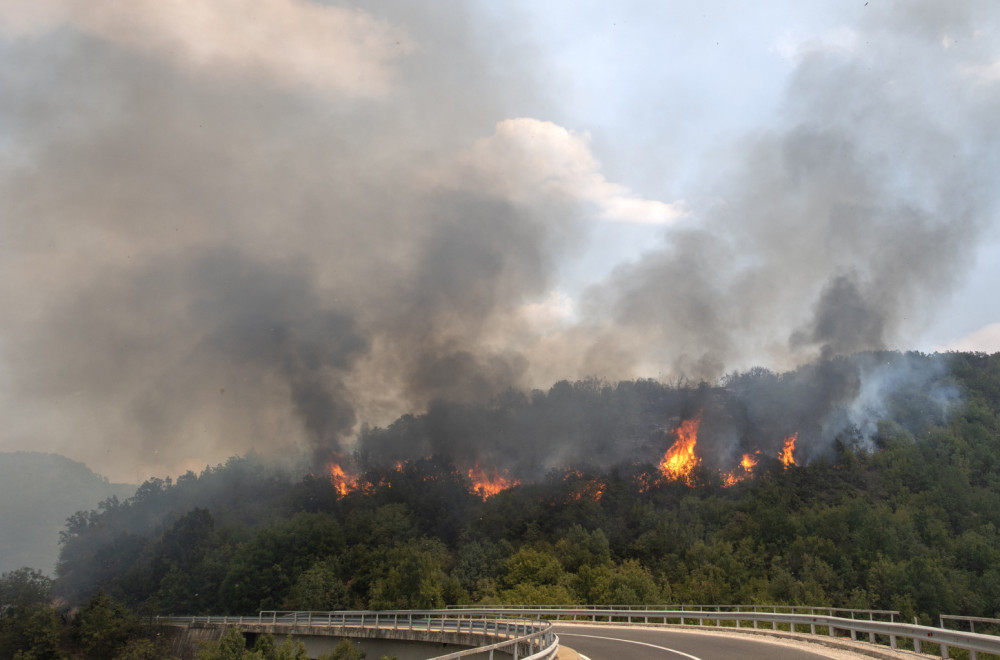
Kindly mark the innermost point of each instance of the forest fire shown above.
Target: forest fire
(488, 482)
(343, 482)
(590, 489)
(787, 451)
(680, 460)
(742, 471)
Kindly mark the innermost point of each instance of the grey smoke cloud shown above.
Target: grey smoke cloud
(839, 229)
(207, 250)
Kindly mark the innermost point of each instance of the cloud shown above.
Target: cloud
(985, 339)
(284, 42)
(557, 311)
(795, 46)
(533, 161)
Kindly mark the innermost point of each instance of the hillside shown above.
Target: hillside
(38, 492)
(868, 482)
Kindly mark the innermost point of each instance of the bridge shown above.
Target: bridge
(528, 633)
(410, 635)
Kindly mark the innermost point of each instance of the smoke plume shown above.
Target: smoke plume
(243, 230)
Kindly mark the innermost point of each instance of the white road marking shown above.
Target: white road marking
(629, 641)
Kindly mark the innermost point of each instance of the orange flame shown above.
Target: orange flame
(786, 454)
(679, 461)
(592, 490)
(747, 465)
(343, 482)
(487, 483)
(644, 481)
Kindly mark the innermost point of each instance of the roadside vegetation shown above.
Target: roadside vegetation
(902, 517)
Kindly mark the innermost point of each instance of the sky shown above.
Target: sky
(230, 227)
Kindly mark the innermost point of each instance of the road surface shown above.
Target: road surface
(616, 643)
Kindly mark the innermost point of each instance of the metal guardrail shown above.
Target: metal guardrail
(741, 617)
(971, 620)
(872, 615)
(524, 639)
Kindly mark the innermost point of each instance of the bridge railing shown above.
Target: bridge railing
(872, 615)
(523, 638)
(744, 617)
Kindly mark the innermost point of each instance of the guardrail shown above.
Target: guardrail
(790, 609)
(993, 624)
(741, 617)
(524, 639)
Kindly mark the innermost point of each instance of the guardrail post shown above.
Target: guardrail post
(944, 651)
(871, 635)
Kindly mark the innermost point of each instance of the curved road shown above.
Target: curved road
(610, 643)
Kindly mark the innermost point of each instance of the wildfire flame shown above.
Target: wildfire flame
(592, 489)
(746, 465)
(343, 482)
(786, 455)
(680, 461)
(488, 482)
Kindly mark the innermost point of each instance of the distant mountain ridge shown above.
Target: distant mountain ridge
(38, 492)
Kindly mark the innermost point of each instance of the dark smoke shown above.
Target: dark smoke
(844, 322)
(207, 252)
(599, 426)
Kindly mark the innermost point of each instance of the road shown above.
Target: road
(610, 643)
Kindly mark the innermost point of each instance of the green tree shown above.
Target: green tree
(318, 588)
(33, 631)
(23, 587)
(263, 571)
(413, 576)
(345, 650)
(103, 627)
(143, 649)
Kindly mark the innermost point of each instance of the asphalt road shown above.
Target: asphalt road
(606, 643)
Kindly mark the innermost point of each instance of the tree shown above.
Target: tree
(345, 650)
(24, 587)
(32, 631)
(318, 588)
(103, 627)
(232, 646)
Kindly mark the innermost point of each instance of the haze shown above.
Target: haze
(233, 227)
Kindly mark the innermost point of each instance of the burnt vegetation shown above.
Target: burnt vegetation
(897, 508)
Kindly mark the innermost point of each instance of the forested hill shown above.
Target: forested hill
(37, 493)
(871, 482)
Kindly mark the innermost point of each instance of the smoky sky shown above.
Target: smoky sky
(210, 247)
